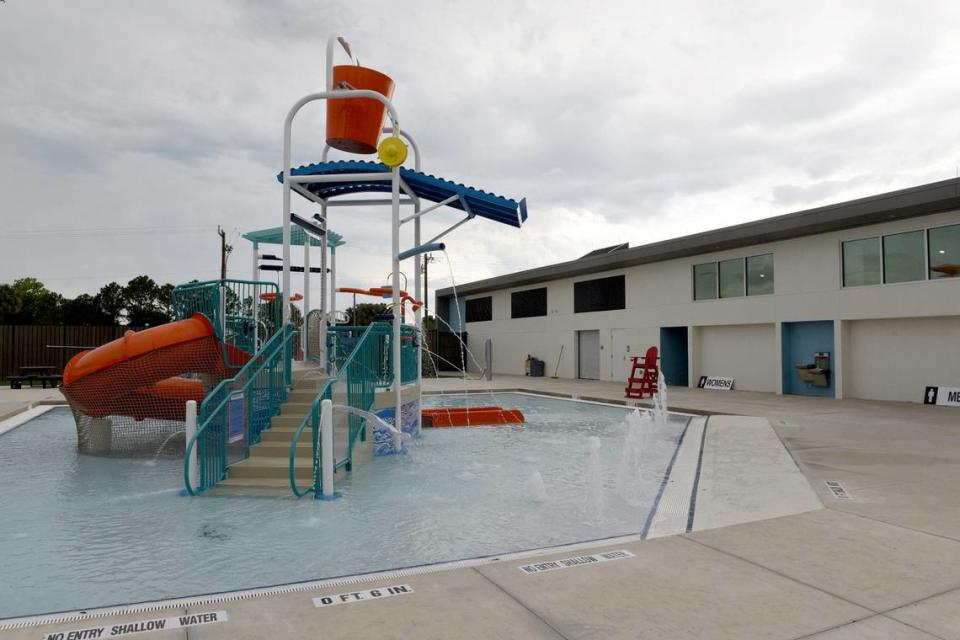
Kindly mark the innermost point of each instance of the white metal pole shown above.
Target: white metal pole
(326, 448)
(333, 295)
(304, 329)
(323, 290)
(193, 469)
(417, 293)
(395, 255)
(256, 297)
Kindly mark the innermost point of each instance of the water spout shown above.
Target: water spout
(162, 445)
(595, 482)
(629, 472)
(538, 489)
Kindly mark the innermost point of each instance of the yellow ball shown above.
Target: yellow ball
(392, 151)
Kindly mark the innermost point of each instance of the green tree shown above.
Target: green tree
(85, 310)
(110, 300)
(364, 313)
(39, 305)
(147, 304)
(10, 302)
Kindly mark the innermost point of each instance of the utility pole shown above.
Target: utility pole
(225, 250)
(427, 259)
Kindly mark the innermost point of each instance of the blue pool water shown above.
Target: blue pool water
(80, 531)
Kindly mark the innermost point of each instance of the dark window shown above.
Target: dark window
(528, 304)
(605, 294)
(944, 251)
(705, 281)
(760, 275)
(479, 310)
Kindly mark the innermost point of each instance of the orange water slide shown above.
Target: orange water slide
(138, 375)
(470, 416)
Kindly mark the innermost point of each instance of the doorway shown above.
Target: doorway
(588, 355)
(673, 356)
(801, 342)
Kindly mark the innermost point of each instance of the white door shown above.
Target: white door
(619, 354)
(588, 355)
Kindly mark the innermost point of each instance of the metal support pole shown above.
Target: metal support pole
(417, 294)
(193, 469)
(333, 294)
(395, 259)
(323, 289)
(306, 290)
(326, 449)
(255, 302)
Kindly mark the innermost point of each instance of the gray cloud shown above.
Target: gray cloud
(619, 121)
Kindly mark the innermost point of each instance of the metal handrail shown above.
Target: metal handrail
(375, 330)
(276, 347)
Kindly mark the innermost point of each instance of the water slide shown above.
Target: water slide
(138, 375)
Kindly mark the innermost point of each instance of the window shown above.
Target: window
(479, 310)
(861, 262)
(705, 281)
(528, 304)
(604, 294)
(944, 243)
(731, 278)
(903, 258)
(760, 275)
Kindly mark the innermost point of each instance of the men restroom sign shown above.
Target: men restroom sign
(943, 396)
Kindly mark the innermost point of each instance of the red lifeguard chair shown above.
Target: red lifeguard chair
(643, 375)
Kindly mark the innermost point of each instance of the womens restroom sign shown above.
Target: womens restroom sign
(943, 396)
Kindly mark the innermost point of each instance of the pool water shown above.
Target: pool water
(80, 531)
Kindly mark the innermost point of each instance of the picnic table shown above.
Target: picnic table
(36, 373)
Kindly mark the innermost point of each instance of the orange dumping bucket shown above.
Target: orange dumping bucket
(354, 124)
(470, 416)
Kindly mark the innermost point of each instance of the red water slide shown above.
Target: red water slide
(138, 375)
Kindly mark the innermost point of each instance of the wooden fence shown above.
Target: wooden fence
(42, 345)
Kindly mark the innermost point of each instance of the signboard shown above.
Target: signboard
(837, 489)
(577, 561)
(236, 418)
(362, 596)
(943, 396)
(140, 626)
(716, 383)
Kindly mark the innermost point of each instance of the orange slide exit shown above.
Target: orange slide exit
(138, 375)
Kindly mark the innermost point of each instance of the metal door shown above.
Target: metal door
(588, 355)
(620, 352)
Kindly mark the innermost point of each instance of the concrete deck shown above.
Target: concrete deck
(881, 563)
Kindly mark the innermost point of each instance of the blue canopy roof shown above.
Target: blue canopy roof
(479, 203)
(298, 237)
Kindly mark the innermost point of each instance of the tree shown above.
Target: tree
(10, 302)
(85, 310)
(147, 303)
(364, 313)
(39, 305)
(110, 300)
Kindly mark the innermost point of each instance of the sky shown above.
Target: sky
(131, 129)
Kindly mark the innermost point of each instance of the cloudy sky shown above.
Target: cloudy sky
(129, 129)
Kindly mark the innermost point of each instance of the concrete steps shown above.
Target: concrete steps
(267, 469)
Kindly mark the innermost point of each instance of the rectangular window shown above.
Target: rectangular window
(604, 294)
(861, 262)
(479, 310)
(944, 243)
(731, 278)
(760, 275)
(528, 304)
(705, 281)
(903, 258)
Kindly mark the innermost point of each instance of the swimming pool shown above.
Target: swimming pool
(81, 531)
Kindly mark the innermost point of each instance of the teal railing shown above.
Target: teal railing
(241, 317)
(359, 375)
(343, 339)
(233, 415)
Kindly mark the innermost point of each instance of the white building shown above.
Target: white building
(874, 283)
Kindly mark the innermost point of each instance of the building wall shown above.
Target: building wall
(807, 281)
(894, 359)
(745, 352)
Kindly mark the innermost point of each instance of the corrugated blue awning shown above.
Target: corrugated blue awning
(479, 203)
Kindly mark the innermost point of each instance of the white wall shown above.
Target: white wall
(745, 352)
(896, 359)
(807, 282)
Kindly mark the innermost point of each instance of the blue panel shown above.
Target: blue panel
(800, 341)
(428, 187)
(673, 356)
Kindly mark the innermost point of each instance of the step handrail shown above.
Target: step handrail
(278, 347)
(375, 330)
